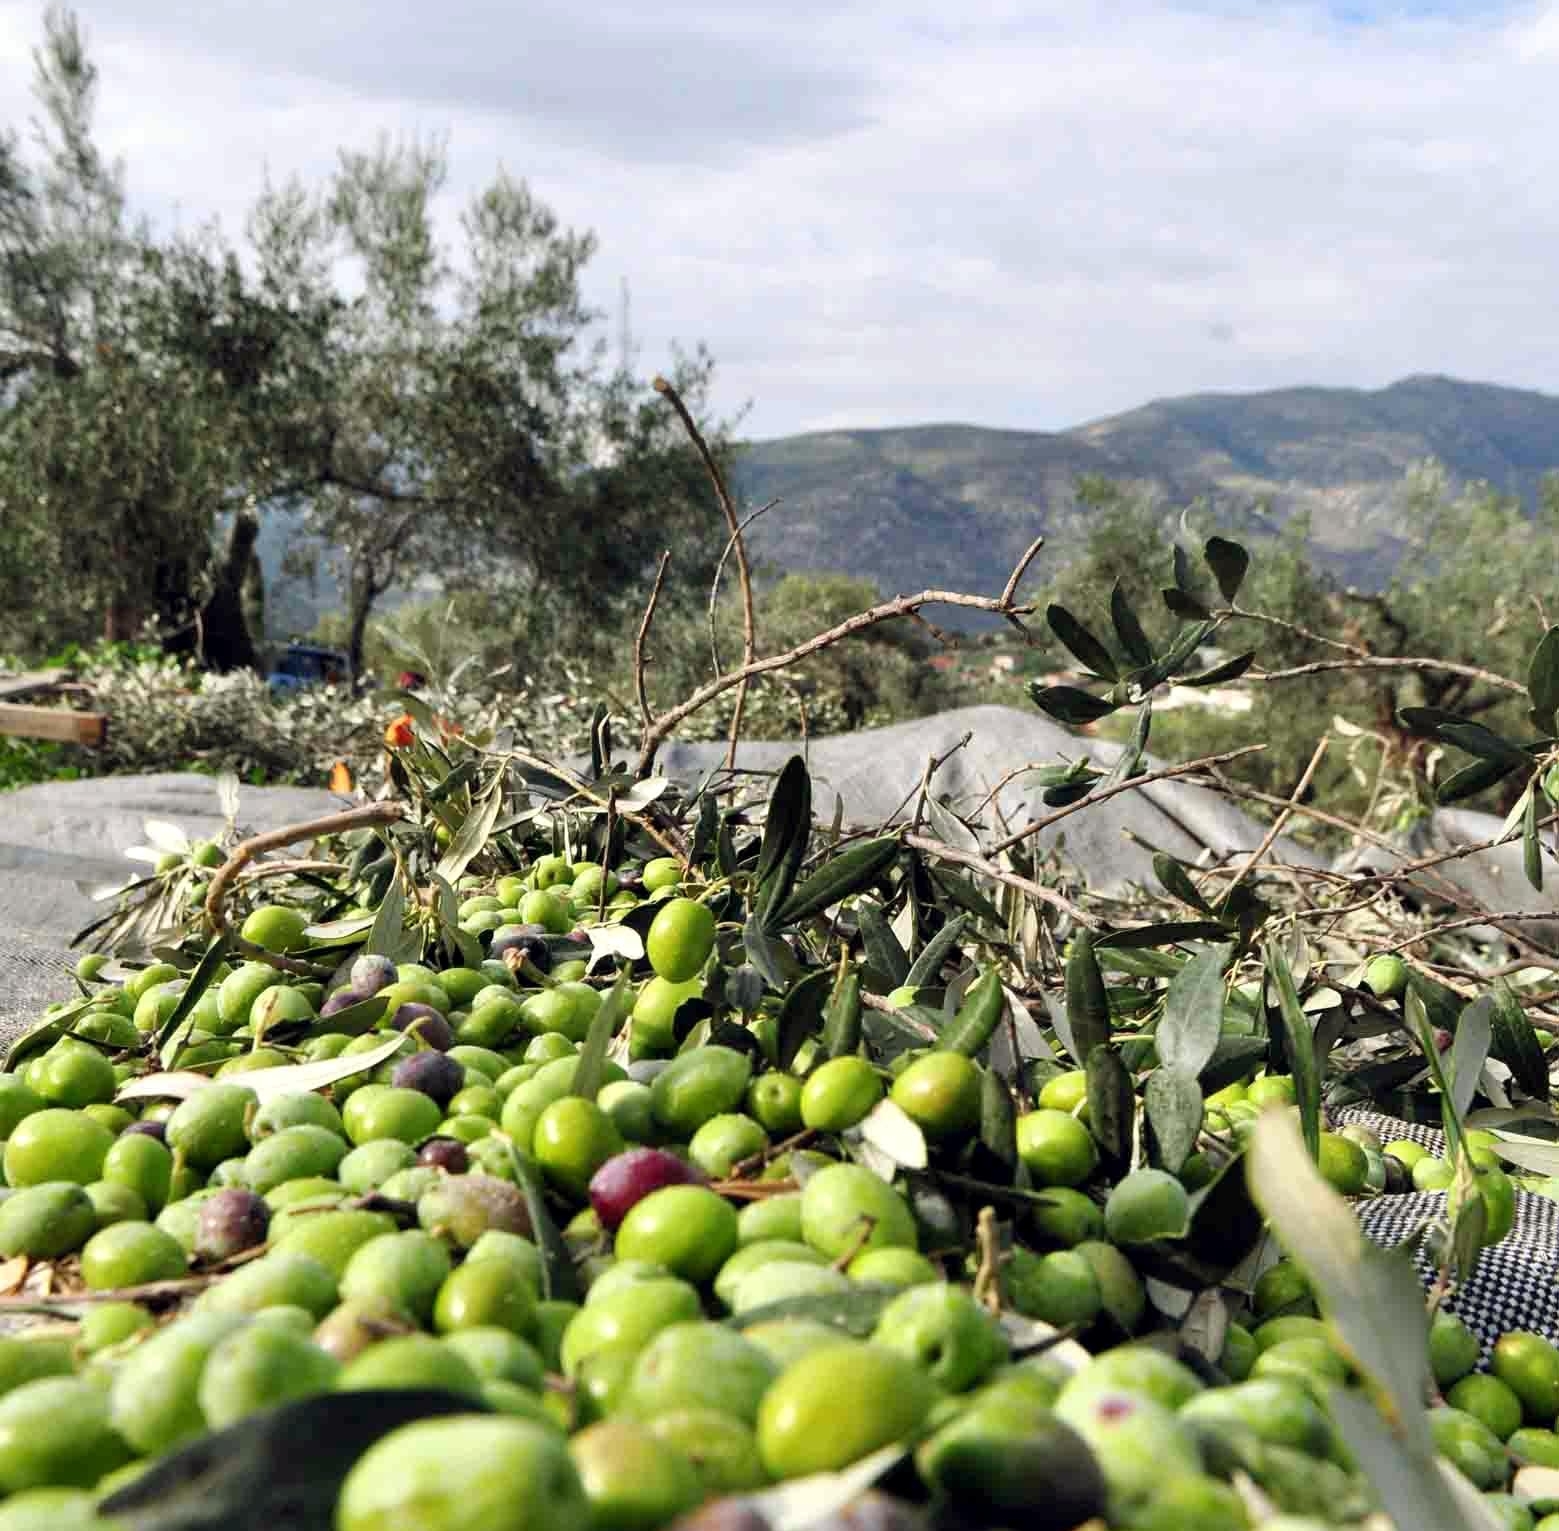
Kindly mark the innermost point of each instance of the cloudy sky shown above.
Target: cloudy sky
(1023, 213)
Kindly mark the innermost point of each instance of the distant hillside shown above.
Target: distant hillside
(954, 505)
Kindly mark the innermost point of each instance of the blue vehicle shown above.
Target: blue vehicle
(305, 665)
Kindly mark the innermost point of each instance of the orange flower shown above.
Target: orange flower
(400, 732)
(340, 777)
(448, 730)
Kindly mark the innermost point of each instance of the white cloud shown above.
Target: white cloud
(1030, 216)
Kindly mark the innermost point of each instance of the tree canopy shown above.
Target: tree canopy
(425, 405)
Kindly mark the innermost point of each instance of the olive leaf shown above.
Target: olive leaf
(1230, 669)
(1087, 1013)
(1299, 1046)
(281, 1467)
(1229, 563)
(338, 932)
(927, 966)
(839, 877)
(883, 949)
(984, 1004)
(842, 1019)
(1470, 1050)
(854, 1312)
(1128, 630)
(787, 828)
(1415, 1013)
(1515, 1043)
(1169, 933)
(1176, 881)
(1112, 1109)
(1371, 1294)
(1081, 643)
(1531, 845)
(559, 1279)
(199, 981)
(1188, 1031)
(769, 955)
(998, 1118)
(1129, 762)
(604, 1025)
(801, 1015)
(389, 937)
(267, 1084)
(1415, 1488)
(1172, 1104)
(820, 1499)
(1068, 704)
(1543, 681)
(1473, 778)
(40, 1038)
(892, 1132)
(354, 1020)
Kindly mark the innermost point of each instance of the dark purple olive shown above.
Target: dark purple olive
(445, 1153)
(436, 1075)
(150, 1129)
(730, 1514)
(371, 973)
(531, 940)
(627, 1178)
(233, 1220)
(426, 1022)
(342, 999)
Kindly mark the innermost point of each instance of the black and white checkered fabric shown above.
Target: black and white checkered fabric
(1516, 1284)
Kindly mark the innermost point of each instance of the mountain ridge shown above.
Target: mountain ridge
(945, 502)
(952, 505)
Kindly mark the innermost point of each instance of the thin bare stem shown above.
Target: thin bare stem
(642, 634)
(1466, 922)
(978, 864)
(257, 845)
(1385, 662)
(1293, 627)
(1168, 773)
(1280, 823)
(934, 763)
(886, 611)
(743, 573)
(1009, 591)
(714, 584)
(1439, 858)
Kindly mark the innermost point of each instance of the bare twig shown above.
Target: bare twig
(1467, 921)
(1280, 823)
(285, 869)
(1439, 858)
(1009, 591)
(1293, 627)
(1385, 662)
(947, 640)
(1446, 889)
(257, 845)
(714, 584)
(934, 763)
(743, 573)
(987, 1284)
(886, 611)
(1188, 768)
(642, 634)
(979, 864)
